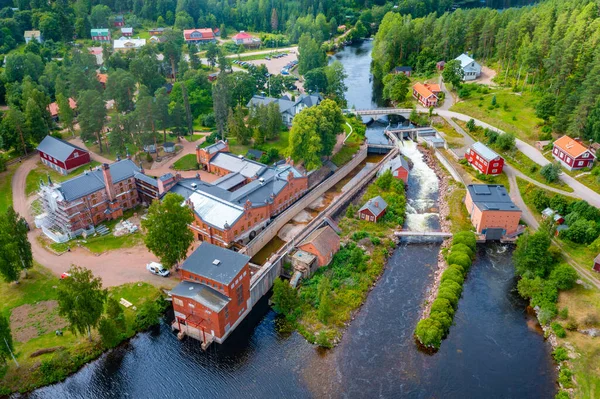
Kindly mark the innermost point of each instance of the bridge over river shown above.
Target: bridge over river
(379, 111)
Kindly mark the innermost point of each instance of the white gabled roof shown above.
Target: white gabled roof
(464, 59)
(484, 151)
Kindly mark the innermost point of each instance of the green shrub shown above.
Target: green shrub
(442, 305)
(444, 319)
(452, 274)
(462, 248)
(565, 377)
(461, 259)
(375, 240)
(149, 157)
(453, 286)
(562, 395)
(564, 313)
(449, 294)
(564, 276)
(429, 333)
(571, 325)
(560, 354)
(323, 341)
(359, 235)
(467, 238)
(147, 316)
(109, 333)
(558, 330)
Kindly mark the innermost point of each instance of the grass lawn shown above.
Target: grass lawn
(453, 138)
(32, 181)
(40, 286)
(186, 162)
(6, 188)
(112, 155)
(458, 216)
(110, 242)
(345, 154)
(515, 114)
(280, 143)
(243, 57)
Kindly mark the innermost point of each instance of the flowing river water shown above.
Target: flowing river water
(494, 350)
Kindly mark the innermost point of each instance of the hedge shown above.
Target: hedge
(431, 330)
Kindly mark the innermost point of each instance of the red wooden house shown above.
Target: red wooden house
(198, 36)
(484, 160)
(214, 294)
(399, 168)
(426, 94)
(119, 21)
(572, 154)
(597, 264)
(53, 108)
(373, 210)
(62, 156)
(322, 243)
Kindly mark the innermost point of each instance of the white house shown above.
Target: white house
(125, 44)
(287, 108)
(470, 67)
(30, 35)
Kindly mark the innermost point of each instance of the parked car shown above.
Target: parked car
(158, 269)
(65, 275)
(268, 58)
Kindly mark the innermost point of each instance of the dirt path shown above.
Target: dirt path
(18, 188)
(96, 157)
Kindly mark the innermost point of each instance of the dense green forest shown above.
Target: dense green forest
(550, 48)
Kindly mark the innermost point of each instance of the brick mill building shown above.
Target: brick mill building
(77, 205)
(373, 210)
(213, 296)
(236, 207)
(572, 154)
(491, 210)
(62, 156)
(484, 159)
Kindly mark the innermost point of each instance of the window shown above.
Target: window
(226, 312)
(494, 170)
(585, 155)
(580, 163)
(240, 294)
(177, 301)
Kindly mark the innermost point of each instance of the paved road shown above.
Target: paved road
(579, 189)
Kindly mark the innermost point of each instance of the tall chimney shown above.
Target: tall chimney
(108, 182)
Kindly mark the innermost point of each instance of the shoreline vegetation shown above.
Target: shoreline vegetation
(46, 357)
(327, 301)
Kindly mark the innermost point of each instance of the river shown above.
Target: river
(494, 350)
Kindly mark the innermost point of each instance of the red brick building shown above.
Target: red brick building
(484, 159)
(491, 211)
(323, 243)
(373, 210)
(572, 154)
(62, 156)
(214, 294)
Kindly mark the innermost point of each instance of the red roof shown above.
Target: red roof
(95, 50)
(102, 77)
(242, 35)
(570, 146)
(53, 107)
(207, 34)
(423, 90)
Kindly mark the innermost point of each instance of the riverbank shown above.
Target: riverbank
(329, 300)
(44, 357)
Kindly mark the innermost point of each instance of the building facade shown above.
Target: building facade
(406, 70)
(62, 156)
(484, 159)
(119, 21)
(127, 32)
(246, 40)
(79, 204)
(471, 69)
(30, 35)
(491, 210)
(198, 36)
(287, 108)
(124, 45)
(572, 154)
(213, 296)
(101, 35)
(399, 168)
(426, 94)
(323, 243)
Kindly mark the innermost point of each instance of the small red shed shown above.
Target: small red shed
(484, 160)
(62, 156)
(373, 210)
(322, 243)
(597, 263)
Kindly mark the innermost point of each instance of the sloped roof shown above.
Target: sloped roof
(216, 147)
(375, 205)
(126, 30)
(100, 32)
(233, 163)
(32, 33)
(242, 35)
(423, 90)
(202, 294)
(128, 43)
(102, 77)
(214, 210)
(570, 146)
(206, 33)
(324, 239)
(464, 60)
(491, 197)
(484, 151)
(57, 148)
(54, 108)
(92, 181)
(284, 103)
(203, 263)
(403, 69)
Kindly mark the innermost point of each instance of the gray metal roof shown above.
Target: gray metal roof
(145, 178)
(241, 165)
(201, 293)
(484, 152)
(403, 69)
(375, 205)
(166, 176)
(216, 147)
(92, 181)
(257, 154)
(229, 181)
(202, 262)
(492, 197)
(394, 164)
(57, 148)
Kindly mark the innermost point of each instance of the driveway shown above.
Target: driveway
(18, 188)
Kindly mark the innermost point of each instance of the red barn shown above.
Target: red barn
(572, 154)
(597, 263)
(322, 243)
(484, 160)
(62, 156)
(373, 210)
(214, 294)
(399, 168)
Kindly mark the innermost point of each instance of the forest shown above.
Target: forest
(550, 48)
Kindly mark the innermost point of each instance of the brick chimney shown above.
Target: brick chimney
(108, 182)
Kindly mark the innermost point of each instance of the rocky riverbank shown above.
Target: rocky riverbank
(445, 225)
